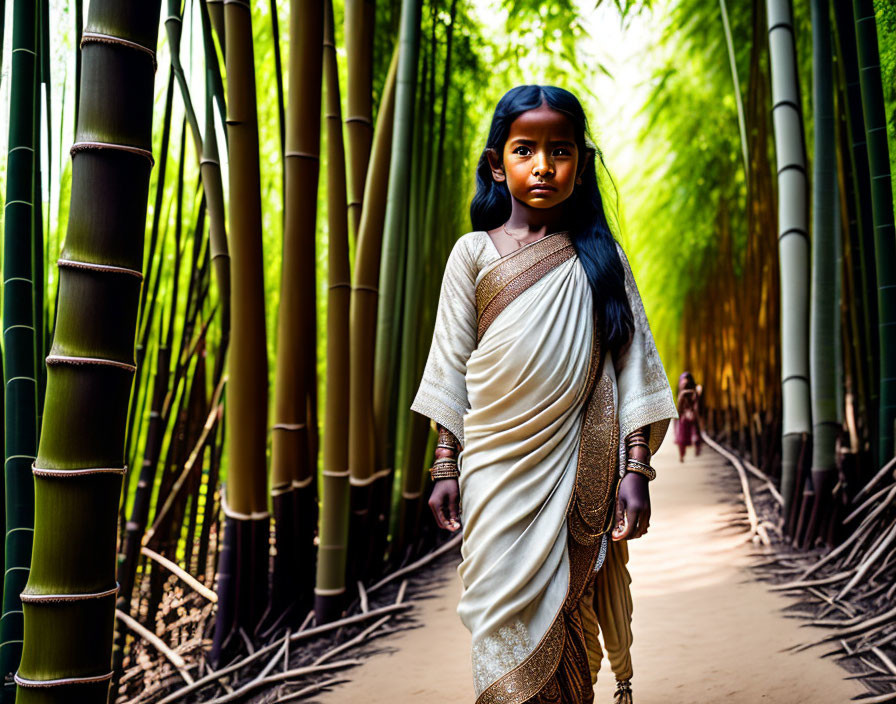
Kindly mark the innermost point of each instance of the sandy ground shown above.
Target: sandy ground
(704, 629)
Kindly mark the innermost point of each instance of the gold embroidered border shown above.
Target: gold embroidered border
(516, 286)
(527, 678)
(591, 511)
(511, 265)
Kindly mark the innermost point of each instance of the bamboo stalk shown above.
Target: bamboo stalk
(882, 213)
(396, 234)
(243, 562)
(292, 479)
(20, 334)
(793, 243)
(359, 33)
(365, 287)
(331, 556)
(824, 305)
(69, 601)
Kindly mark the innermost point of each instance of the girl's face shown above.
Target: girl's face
(541, 163)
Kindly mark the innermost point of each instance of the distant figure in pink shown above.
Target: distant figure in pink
(687, 427)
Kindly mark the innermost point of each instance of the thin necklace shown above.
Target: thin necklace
(509, 234)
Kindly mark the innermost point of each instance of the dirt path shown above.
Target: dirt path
(705, 630)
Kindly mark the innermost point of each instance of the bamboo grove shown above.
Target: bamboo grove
(224, 235)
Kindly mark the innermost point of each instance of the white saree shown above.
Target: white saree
(516, 374)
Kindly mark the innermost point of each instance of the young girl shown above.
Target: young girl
(687, 427)
(544, 375)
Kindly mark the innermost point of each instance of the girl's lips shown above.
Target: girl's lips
(542, 187)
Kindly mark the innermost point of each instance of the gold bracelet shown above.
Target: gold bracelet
(637, 443)
(443, 473)
(642, 468)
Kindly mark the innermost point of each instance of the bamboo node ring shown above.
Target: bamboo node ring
(99, 38)
(302, 155)
(59, 598)
(65, 359)
(236, 515)
(288, 426)
(85, 146)
(108, 268)
(69, 473)
(22, 682)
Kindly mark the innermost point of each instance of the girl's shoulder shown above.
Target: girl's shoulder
(475, 248)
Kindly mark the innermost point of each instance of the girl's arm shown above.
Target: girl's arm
(633, 502)
(442, 395)
(444, 501)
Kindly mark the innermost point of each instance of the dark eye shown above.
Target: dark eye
(562, 151)
(522, 153)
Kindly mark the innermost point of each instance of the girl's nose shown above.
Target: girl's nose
(542, 166)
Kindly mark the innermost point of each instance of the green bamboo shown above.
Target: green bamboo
(216, 13)
(365, 288)
(242, 567)
(331, 551)
(409, 432)
(882, 214)
(860, 237)
(292, 490)
(281, 110)
(19, 333)
(793, 244)
(359, 33)
(394, 255)
(39, 254)
(213, 186)
(69, 600)
(825, 308)
(79, 29)
(417, 305)
(738, 98)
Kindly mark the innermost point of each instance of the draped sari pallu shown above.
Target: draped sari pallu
(539, 464)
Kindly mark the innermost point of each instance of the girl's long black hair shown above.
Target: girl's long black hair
(588, 226)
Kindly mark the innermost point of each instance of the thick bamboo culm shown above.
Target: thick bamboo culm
(365, 291)
(882, 215)
(331, 552)
(393, 283)
(293, 491)
(69, 600)
(825, 303)
(793, 243)
(242, 583)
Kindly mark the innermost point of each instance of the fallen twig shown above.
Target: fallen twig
(299, 635)
(441, 550)
(280, 676)
(181, 574)
(179, 663)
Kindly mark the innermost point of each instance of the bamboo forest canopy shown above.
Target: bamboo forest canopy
(285, 180)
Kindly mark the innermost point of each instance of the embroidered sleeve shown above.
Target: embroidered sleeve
(442, 394)
(645, 397)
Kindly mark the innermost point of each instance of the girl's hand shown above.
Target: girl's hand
(632, 507)
(445, 504)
